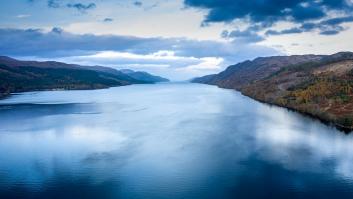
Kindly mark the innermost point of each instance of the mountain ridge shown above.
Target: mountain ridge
(143, 76)
(20, 76)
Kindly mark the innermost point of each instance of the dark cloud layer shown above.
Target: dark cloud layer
(245, 36)
(53, 3)
(81, 7)
(33, 42)
(267, 12)
(138, 3)
(58, 43)
(325, 27)
(108, 20)
(78, 6)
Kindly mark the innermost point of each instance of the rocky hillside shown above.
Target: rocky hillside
(318, 85)
(19, 76)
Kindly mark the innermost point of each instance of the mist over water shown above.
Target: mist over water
(166, 141)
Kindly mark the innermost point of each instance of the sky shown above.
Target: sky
(177, 39)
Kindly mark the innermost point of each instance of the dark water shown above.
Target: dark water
(166, 141)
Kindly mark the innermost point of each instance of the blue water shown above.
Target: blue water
(167, 141)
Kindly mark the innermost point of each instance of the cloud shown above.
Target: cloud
(138, 3)
(206, 63)
(128, 51)
(331, 26)
(165, 63)
(78, 6)
(164, 59)
(53, 3)
(81, 7)
(286, 31)
(108, 20)
(154, 5)
(23, 16)
(243, 36)
(268, 12)
(39, 42)
(337, 21)
(329, 32)
(306, 11)
(57, 30)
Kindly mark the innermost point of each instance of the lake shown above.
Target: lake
(166, 141)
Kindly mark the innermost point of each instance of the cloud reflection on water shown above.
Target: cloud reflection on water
(175, 140)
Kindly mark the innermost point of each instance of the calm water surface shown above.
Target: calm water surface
(166, 141)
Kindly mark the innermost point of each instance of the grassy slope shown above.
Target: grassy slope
(324, 94)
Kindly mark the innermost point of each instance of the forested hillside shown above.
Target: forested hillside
(321, 86)
(19, 76)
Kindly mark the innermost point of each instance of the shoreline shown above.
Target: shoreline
(345, 129)
(327, 122)
(6, 95)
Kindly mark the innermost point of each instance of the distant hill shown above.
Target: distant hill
(144, 76)
(318, 85)
(19, 76)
